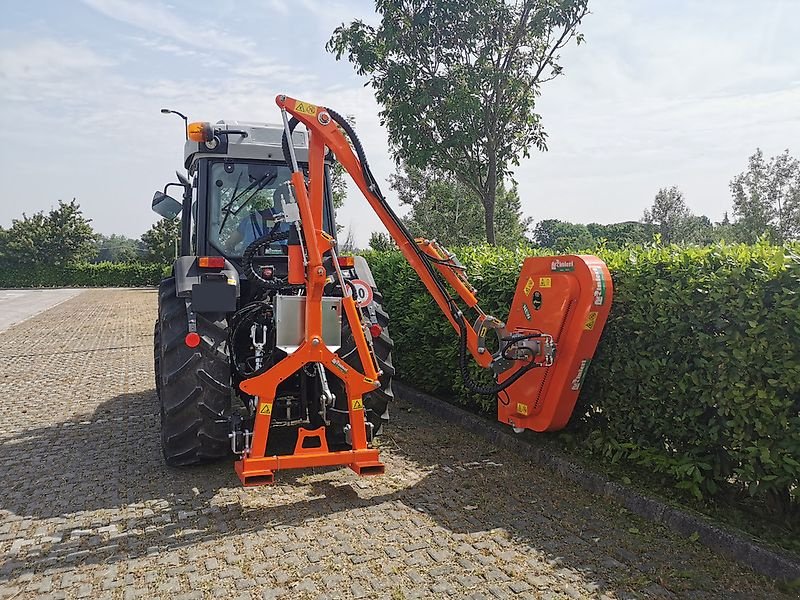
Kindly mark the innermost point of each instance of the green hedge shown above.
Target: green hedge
(697, 376)
(104, 274)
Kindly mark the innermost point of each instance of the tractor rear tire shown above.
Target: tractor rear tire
(193, 384)
(376, 404)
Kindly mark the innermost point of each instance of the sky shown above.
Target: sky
(661, 94)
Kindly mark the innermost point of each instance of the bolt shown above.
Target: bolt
(320, 271)
(315, 341)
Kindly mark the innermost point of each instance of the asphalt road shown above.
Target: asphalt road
(19, 305)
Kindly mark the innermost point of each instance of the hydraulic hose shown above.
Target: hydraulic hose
(247, 260)
(474, 386)
(243, 319)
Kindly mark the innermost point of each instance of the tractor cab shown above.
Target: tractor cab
(237, 187)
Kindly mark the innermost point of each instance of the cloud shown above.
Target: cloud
(46, 59)
(655, 97)
(159, 45)
(162, 21)
(279, 6)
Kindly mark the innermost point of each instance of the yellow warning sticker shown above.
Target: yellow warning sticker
(358, 404)
(266, 409)
(522, 408)
(305, 108)
(545, 282)
(591, 319)
(528, 286)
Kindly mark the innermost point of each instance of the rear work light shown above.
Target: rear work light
(211, 262)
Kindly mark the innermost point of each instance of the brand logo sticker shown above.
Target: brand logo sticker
(339, 366)
(527, 311)
(581, 375)
(562, 266)
(599, 286)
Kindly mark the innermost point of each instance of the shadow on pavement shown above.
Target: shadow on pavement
(107, 496)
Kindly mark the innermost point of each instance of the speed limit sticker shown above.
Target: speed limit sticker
(362, 293)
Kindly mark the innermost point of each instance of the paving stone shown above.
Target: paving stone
(359, 591)
(518, 586)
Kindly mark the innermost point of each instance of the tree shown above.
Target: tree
(348, 246)
(562, 236)
(338, 185)
(161, 242)
(117, 248)
(381, 242)
(442, 208)
(61, 237)
(458, 81)
(698, 229)
(617, 235)
(669, 215)
(339, 179)
(725, 231)
(766, 198)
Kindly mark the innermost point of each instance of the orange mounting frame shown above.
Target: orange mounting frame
(256, 468)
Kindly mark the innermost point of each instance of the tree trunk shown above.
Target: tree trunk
(489, 198)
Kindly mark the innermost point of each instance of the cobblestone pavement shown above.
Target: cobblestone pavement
(89, 510)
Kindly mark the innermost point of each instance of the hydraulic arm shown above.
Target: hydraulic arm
(538, 358)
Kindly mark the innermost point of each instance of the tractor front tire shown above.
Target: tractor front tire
(193, 384)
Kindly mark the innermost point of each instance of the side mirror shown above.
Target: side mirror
(166, 206)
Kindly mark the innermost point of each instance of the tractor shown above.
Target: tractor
(272, 347)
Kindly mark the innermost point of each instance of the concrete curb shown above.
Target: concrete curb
(728, 543)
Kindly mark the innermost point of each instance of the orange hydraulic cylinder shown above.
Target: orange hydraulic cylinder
(297, 272)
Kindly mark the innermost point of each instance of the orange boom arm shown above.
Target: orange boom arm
(559, 302)
(325, 130)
